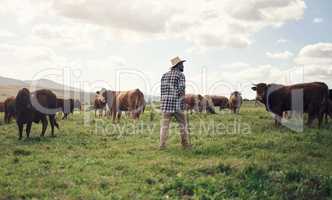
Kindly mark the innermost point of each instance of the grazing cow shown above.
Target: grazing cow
(9, 109)
(66, 106)
(278, 99)
(193, 102)
(35, 107)
(128, 101)
(235, 102)
(217, 101)
(99, 104)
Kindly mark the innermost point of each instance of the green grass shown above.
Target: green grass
(258, 161)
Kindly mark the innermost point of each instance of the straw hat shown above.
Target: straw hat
(176, 61)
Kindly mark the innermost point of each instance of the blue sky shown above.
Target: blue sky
(128, 44)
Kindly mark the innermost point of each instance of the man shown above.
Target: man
(173, 86)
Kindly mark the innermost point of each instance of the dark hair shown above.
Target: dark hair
(177, 66)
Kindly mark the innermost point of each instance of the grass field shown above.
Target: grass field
(255, 160)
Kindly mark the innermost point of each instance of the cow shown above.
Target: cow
(99, 104)
(66, 106)
(278, 99)
(193, 102)
(128, 101)
(9, 109)
(217, 101)
(211, 101)
(35, 107)
(235, 102)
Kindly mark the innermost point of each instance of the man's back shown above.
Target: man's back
(172, 91)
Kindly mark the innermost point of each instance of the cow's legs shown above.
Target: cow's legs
(320, 120)
(322, 112)
(65, 116)
(119, 116)
(52, 122)
(311, 118)
(44, 125)
(28, 129)
(7, 118)
(20, 130)
(277, 119)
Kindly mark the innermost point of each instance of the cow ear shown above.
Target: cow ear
(254, 88)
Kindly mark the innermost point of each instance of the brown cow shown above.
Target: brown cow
(193, 102)
(235, 102)
(129, 101)
(66, 106)
(35, 107)
(278, 99)
(99, 104)
(9, 109)
(215, 101)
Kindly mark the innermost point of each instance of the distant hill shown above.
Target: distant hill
(10, 81)
(49, 84)
(10, 87)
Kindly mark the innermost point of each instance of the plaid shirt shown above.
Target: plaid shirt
(173, 86)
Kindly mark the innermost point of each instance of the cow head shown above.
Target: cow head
(108, 96)
(261, 90)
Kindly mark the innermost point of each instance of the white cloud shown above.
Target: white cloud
(204, 23)
(282, 41)
(280, 55)
(68, 35)
(316, 59)
(27, 54)
(318, 20)
(315, 54)
(6, 34)
(24, 11)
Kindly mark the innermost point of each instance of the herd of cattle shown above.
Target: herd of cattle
(111, 103)
(27, 107)
(208, 103)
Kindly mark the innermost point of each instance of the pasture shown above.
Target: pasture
(254, 160)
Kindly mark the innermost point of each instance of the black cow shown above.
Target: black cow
(278, 99)
(35, 107)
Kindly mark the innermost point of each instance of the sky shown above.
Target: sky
(128, 44)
